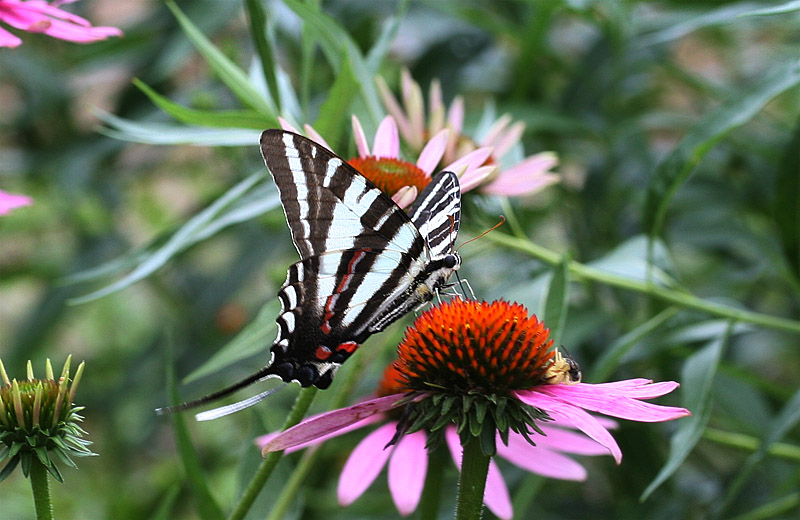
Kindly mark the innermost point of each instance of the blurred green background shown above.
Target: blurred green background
(692, 99)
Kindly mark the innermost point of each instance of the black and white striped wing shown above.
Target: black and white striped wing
(436, 213)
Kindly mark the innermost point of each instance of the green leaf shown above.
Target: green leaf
(679, 164)
(252, 340)
(225, 119)
(229, 73)
(787, 202)
(788, 7)
(786, 421)
(177, 242)
(167, 503)
(258, 31)
(336, 108)
(169, 134)
(557, 301)
(207, 508)
(696, 379)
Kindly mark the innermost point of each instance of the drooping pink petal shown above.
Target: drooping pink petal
(495, 496)
(405, 196)
(365, 463)
(8, 40)
(9, 201)
(286, 125)
(330, 422)
(436, 108)
(40, 17)
(407, 468)
(361, 138)
(470, 161)
(455, 115)
(540, 460)
(529, 176)
(433, 152)
(415, 108)
(613, 402)
(509, 138)
(387, 141)
(391, 104)
(490, 139)
(572, 414)
(568, 441)
(476, 177)
(315, 136)
(262, 440)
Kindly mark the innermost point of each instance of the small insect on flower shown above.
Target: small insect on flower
(562, 370)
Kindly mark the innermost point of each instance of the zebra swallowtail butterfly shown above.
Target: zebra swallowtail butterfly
(364, 262)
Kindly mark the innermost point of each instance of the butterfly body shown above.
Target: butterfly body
(364, 262)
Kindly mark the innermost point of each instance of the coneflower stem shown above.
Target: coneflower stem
(301, 405)
(40, 483)
(472, 482)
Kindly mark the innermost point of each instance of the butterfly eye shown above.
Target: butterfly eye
(450, 261)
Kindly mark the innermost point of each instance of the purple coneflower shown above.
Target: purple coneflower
(38, 16)
(524, 177)
(477, 372)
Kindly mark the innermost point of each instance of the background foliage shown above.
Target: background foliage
(677, 127)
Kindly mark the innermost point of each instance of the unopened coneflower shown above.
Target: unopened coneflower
(487, 371)
(39, 425)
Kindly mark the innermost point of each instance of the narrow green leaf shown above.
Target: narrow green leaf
(252, 340)
(336, 108)
(167, 503)
(177, 242)
(787, 202)
(225, 118)
(702, 137)
(557, 301)
(229, 73)
(696, 379)
(258, 31)
(773, 509)
(788, 7)
(168, 134)
(207, 508)
(786, 421)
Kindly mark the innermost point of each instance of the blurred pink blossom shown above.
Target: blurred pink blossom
(38, 16)
(9, 201)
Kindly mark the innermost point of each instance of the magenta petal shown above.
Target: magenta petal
(262, 440)
(614, 402)
(476, 177)
(568, 441)
(9, 201)
(286, 125)
(433, 152)
(8, 40)
(330, 422)
(365, 463)
(455, 116)
(573, 414)
(491, 137)
(470, 161)
(391, 104)
(361, 138)
(387, 141)
(315, 136)
(509, 139)
(540, 460)
(407, 468)
(495, 496)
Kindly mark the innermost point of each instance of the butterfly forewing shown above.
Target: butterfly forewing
(437, 212)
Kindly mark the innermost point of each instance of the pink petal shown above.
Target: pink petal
(9, 201)
(495, 130)
(573, 414)
(526, 177)
(436, 108)
(412, 99)
(470, 161)
(286, 125)
(365, 463)
(407, 468)
(361, 138)
(495, 496)
(330, 422)
(568, 441)
(509, 139)
(476, 177)
(455, 116)
(8, 40)
(262, 440)
(405, 196)
(387, 142)
(391, 104)
(539, 460)
(614, 402)
(433, 152)
(315, 136)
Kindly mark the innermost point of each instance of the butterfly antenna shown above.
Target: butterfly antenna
(502, 221)
(219, 394)
(216, 413)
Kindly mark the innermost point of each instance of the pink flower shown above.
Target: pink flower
(9, 201)
(38, 16)
(521, 178)
(455, 365)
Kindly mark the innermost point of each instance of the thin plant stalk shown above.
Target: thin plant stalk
(40, 484)
(472, 482)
